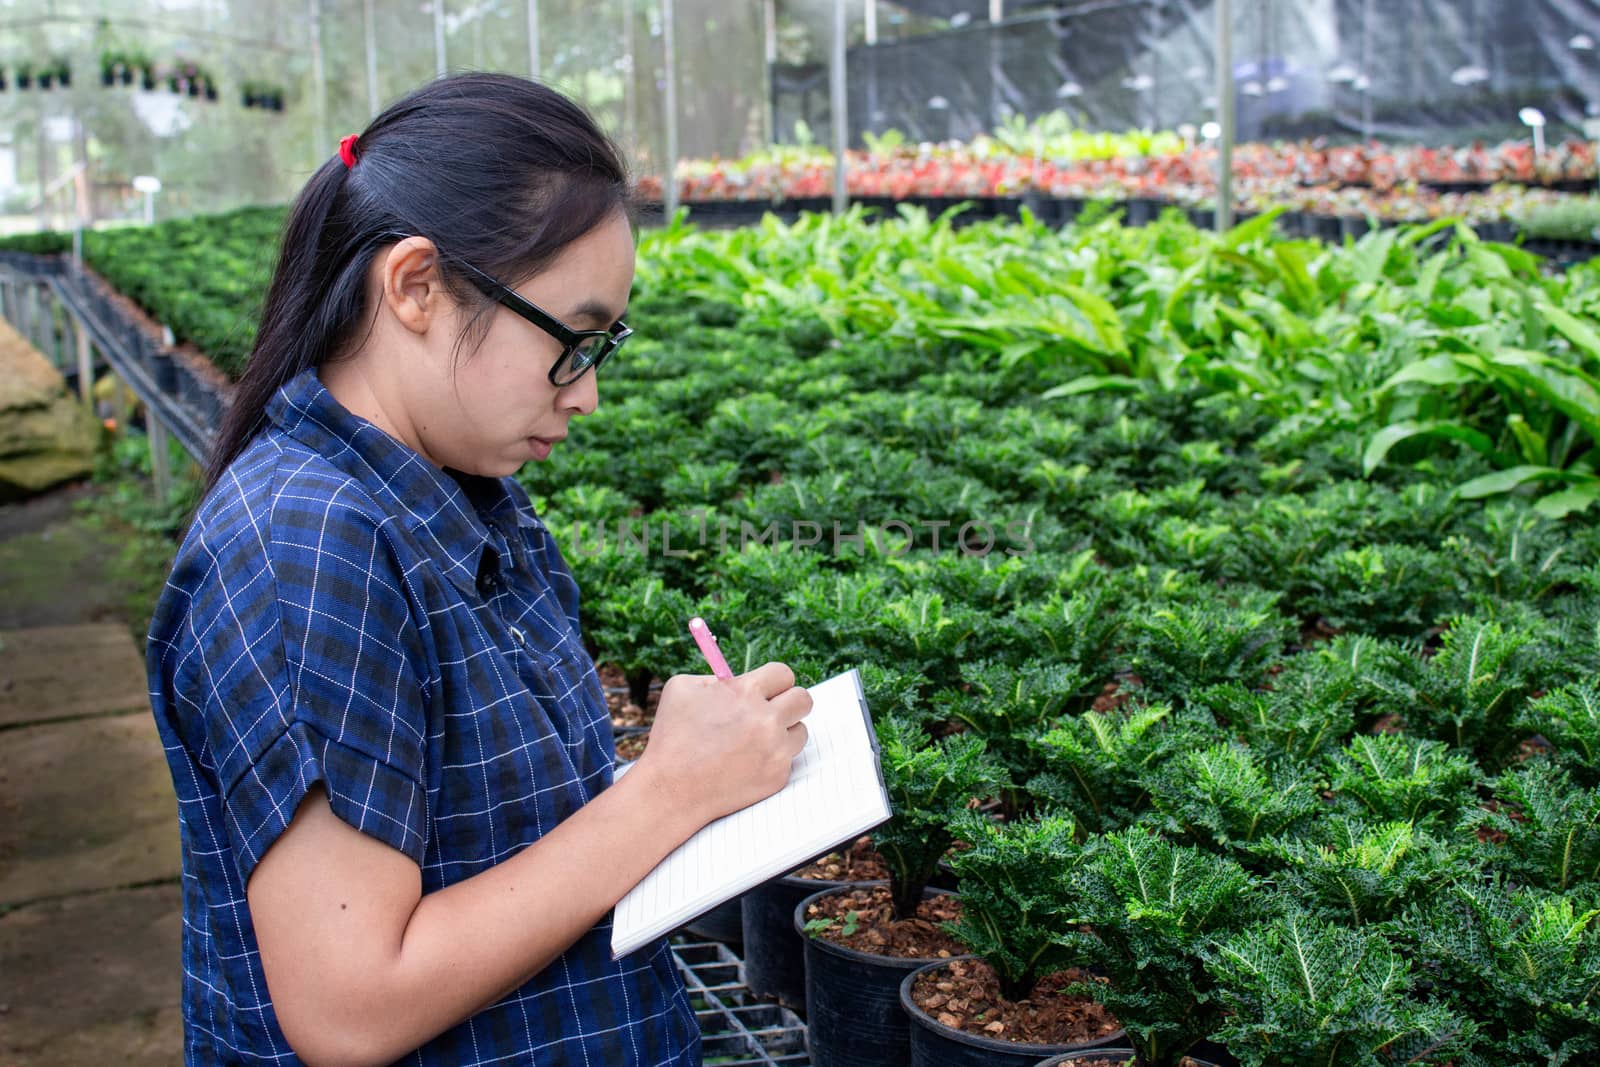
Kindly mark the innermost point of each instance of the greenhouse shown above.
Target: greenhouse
(852, 533)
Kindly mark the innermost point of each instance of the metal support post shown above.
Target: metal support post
(439, 66)
(85, 367)
(370, 31)
(669, 179)
(769, 13)
(839, 104)
(160, 465)
(533, 38)
(319, 82)
(1225, 115)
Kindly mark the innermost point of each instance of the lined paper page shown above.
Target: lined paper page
(835, 793)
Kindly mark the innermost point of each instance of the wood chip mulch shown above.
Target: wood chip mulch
(878, 932)
(965, 995)
(858, 863)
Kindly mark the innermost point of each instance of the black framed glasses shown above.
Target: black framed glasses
(582, 351)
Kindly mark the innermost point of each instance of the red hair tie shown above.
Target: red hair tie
(347, 150)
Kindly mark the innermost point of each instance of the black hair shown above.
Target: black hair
(491, 166)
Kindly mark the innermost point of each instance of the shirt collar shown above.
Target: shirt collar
(462, 514)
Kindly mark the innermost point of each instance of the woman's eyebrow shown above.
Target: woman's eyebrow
(597, 311)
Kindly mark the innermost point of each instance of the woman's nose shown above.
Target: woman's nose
(580, 397)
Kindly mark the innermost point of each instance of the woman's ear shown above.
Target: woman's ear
(410, 284)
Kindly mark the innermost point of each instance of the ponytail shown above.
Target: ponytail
(491, 165)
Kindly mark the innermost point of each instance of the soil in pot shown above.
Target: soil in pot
(774, 956)
(853, 993)
(959, 1018)
(630, 745)
(1110, 1057)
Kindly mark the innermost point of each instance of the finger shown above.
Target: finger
(797, 738)
(770, 679)
(792, 705)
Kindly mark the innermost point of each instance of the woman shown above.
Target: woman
(391, 752)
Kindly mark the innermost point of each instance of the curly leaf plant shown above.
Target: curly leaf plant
(929, 786)
(1394, 777)
(1543, 830)
(1151, 907)
(1016, 896)
(1569, 718)
(1524, 963)
(1228, 796)
(1302, 990)
(1007, 706)
(1345, 869)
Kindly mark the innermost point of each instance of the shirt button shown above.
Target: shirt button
(521, 638)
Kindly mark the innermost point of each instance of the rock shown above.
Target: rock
(46, 436)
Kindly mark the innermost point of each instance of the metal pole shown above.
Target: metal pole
(669, 47)
(872, 21)
(533, 37)
(85, 367)
(769, 12)
(872, 65)
(371, 28)
(319, 76)
(1225, 115)
(1366, 71)
(997, 13)
(439, 66)
(839, 103)
(630, 92)
(160, 465)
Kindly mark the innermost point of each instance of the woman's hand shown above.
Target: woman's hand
(719, 745)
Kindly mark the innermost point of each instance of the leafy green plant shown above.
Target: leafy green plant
(1303, 990)
(1228, 797)
(1569, 718)
(929, 785)
(1392, 777)
(1007, 706)
(1151, 907)
(1525, 964)
(1470, 692)
(1309, 708)
(1183, 647)
(1097, 765)
(1348, 870)
(1542, 829)
(1015, 895)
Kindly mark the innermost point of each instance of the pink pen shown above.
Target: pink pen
(708, 647)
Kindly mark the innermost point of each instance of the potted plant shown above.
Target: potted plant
(861, 941)
(1298, 989)
(1144, 909)
(113, 65)
(774, 959)
(1018, 1000)
(25, 75)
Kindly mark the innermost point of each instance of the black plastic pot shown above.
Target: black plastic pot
(1108, 1057)
(724, 923)
(774, 955)
(935, 1045)
(162, 368)
(853, 1014)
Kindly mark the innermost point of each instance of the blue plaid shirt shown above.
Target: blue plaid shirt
(342, 611)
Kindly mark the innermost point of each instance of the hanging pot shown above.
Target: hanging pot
(935, 1045)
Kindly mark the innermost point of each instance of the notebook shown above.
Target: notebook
(835, 794)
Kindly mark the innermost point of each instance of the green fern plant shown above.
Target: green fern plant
(1303, 990)
(1309, 709)
(929, 784)
(1524, 963)
(1227, 796)
(1543, 830)
(1151, 907)
(1348, 870)
(1392, 777)
(1472, 690)
(1096, 765)
(1007, 706)
(1182, 647)
(1569, 718)
(1016, 895)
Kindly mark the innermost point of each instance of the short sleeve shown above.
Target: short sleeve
(306, 664)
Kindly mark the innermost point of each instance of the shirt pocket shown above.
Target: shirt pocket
(560, 677)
